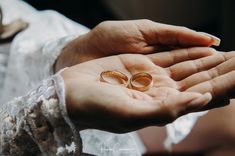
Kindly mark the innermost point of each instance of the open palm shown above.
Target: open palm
(116, 108)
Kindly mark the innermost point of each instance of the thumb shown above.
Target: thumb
(186, 102)
(173, 107)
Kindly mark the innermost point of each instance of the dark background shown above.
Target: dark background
(86, 12)
(92, 12)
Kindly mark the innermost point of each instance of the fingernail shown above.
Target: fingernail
(201, 101)
(216, 40)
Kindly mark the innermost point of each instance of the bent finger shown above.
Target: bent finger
(184, 69)
(174, 106)
(204, 76)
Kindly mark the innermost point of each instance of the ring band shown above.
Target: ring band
(113, 74)
(145, 80)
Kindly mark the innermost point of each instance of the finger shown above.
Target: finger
(215, 103)
(203, 76)
(184, 69)
(222, 89)
(174, 106)
(181, 36)
(220, 86)
(186, 102)
(170, 58)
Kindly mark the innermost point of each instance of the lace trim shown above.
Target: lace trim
(38, 123)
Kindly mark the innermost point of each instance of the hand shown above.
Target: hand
(136, 36)
(214, 74)
(115, 108)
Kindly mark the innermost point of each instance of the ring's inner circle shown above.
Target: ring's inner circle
(142, 81)
(114, 77)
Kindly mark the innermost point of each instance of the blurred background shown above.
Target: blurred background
(216, 17)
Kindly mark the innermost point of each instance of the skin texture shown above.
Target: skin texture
(136, 36)
(86, 96)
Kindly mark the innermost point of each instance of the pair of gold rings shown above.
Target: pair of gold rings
(141, 81)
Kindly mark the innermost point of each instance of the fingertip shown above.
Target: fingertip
(200, 101)
(215, 41)
(208, 96)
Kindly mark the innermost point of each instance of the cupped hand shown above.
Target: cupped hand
(116, 108)
(134, 36)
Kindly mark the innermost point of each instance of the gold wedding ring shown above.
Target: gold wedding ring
(140, 81)
(110, 76)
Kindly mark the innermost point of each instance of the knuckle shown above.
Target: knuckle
(213, 73)
(172, 72)
(213, 87)
(181, 85)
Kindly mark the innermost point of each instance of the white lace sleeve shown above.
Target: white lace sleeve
(38, 123)
(30, 66)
